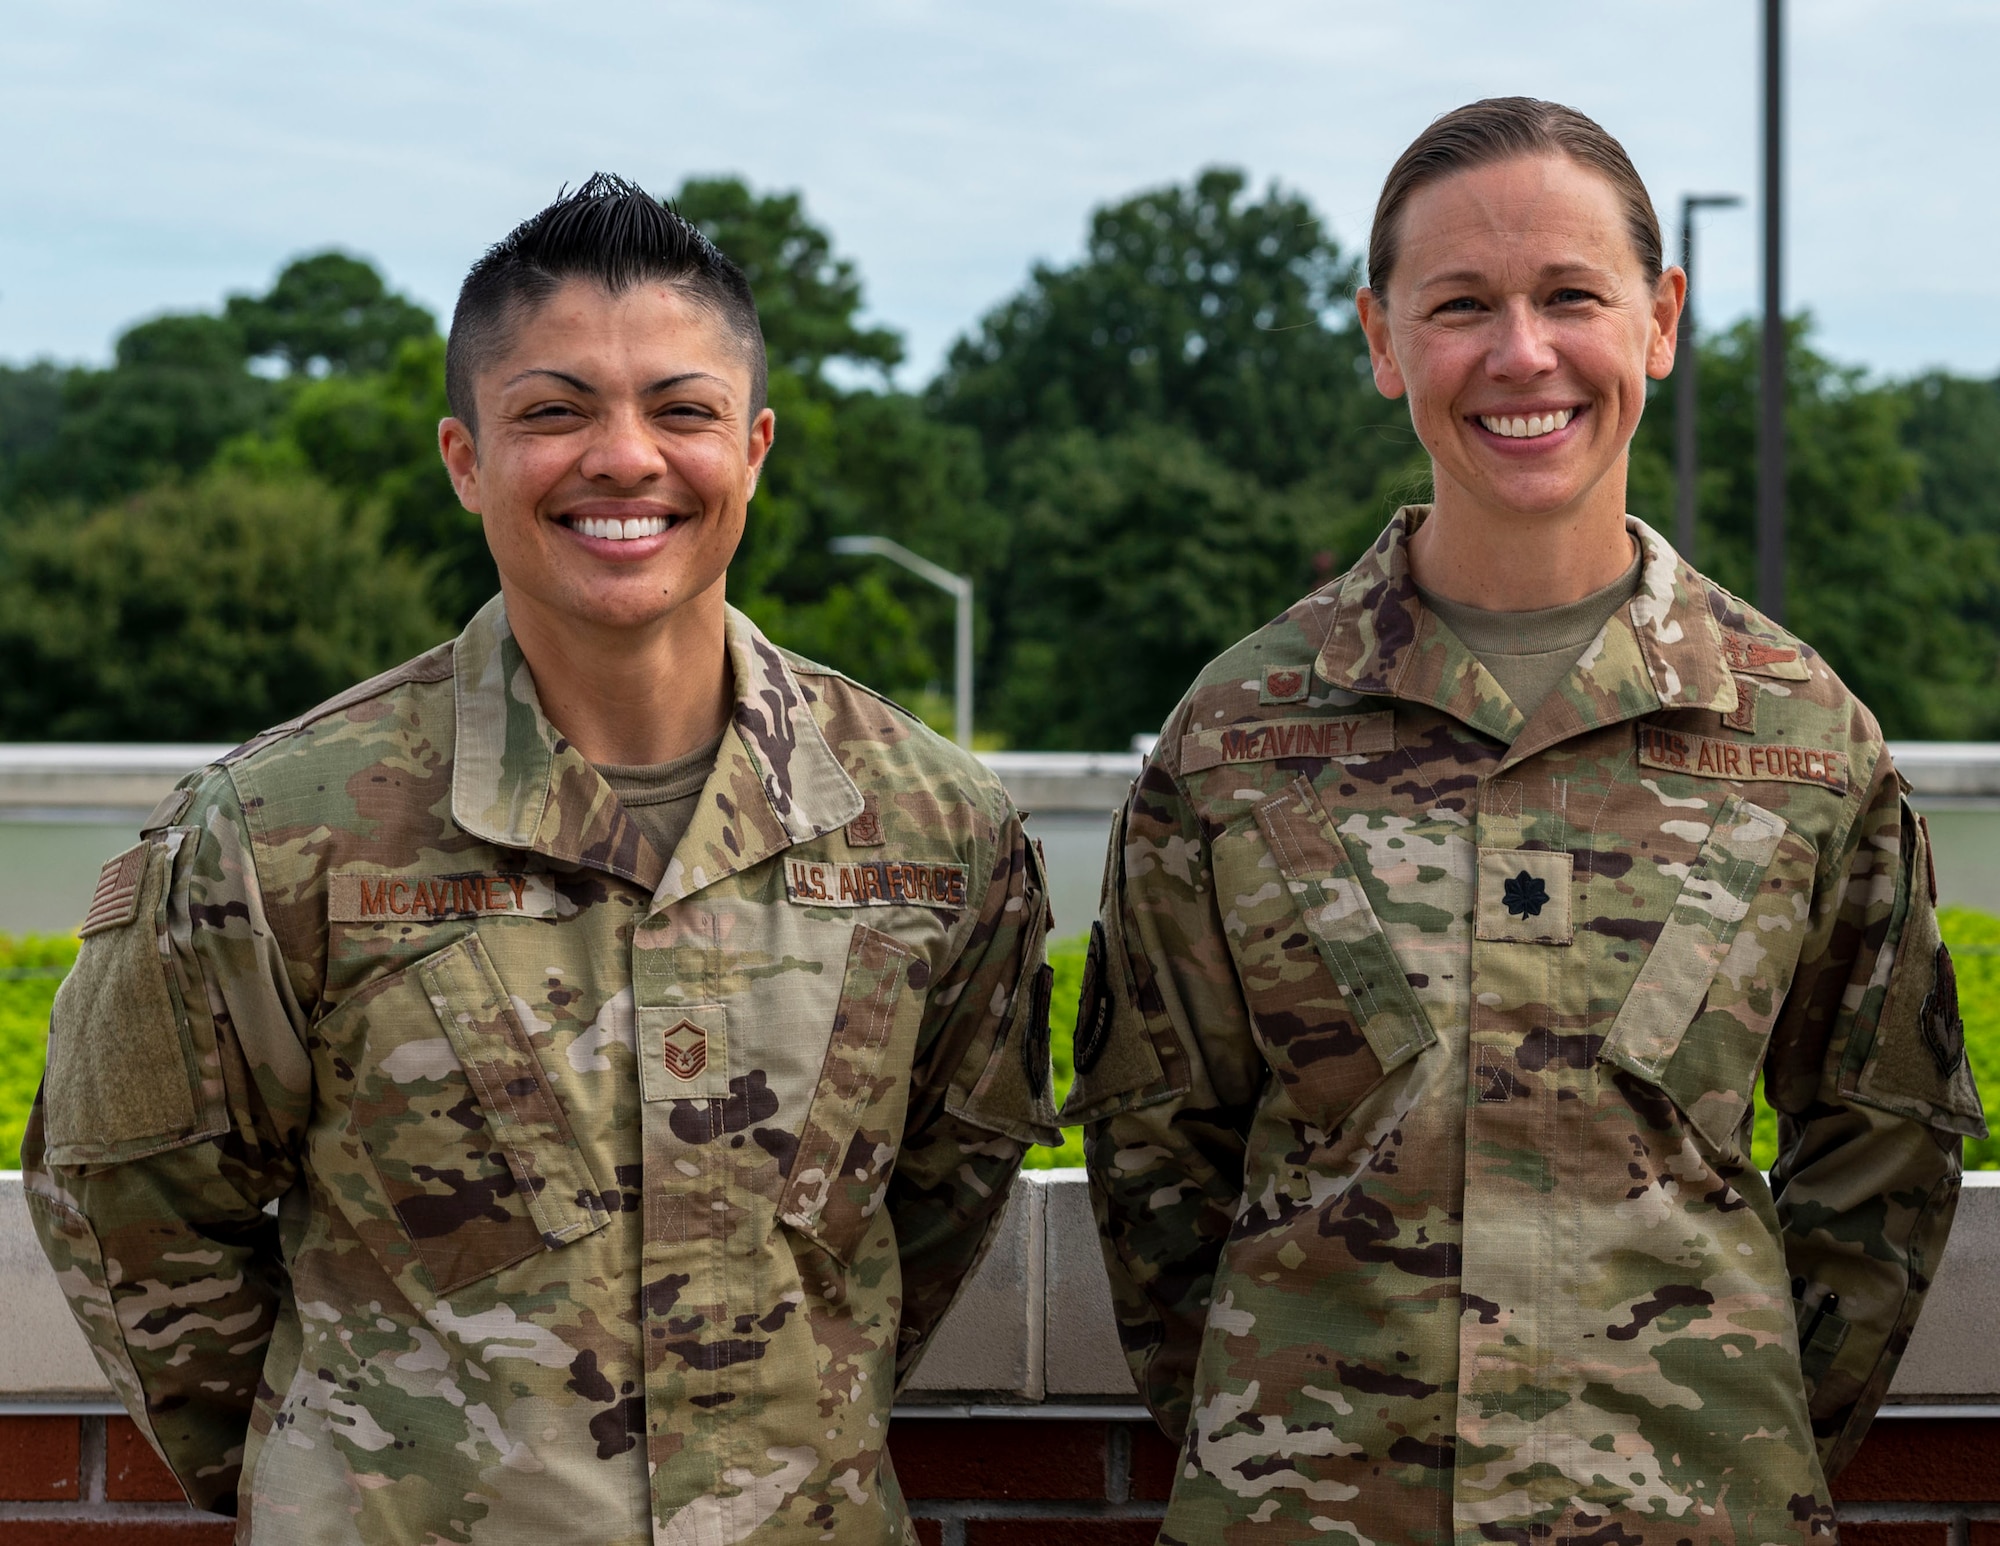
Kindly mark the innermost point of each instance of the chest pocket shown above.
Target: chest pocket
(471, 1150)
(1699, 1015)
(1332, 1011)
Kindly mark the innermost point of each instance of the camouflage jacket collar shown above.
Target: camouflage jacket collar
(1664, 650)
(518, 783)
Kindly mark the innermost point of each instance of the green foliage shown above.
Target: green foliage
(197, 611)
(31, 969)
(329, 313)
(808, 300)
(1139, 557)
(1184, 442)
(1891, 568)
(372, 438)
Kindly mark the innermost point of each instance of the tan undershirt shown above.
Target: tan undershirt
(662, 796)
(1529, 653)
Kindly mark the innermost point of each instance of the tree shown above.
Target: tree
(846, 460)
(1194, 306)
(808, 300)
(329, 312)
(372, 438)
(1210, 331)
(1895, 592)
(197, 611)
(176, 390)
(1138, 557)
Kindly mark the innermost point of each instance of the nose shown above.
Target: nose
(1521, 348)
(624, 452)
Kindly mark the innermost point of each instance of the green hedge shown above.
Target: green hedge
(31, 967)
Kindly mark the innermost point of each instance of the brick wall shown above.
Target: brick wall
(1008, 1481)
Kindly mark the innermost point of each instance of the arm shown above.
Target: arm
(1868, 1073)
(980, 1092)
(1167, 1080)
(170, 1114)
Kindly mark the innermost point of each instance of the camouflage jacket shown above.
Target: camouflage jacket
(1417, 1052)
(426, 1158)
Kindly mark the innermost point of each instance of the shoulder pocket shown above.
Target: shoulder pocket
(1913, 1062)
(1013, 1092)
(1696, 1021)
(1117, 1063)
(840, 1170)
(474, 1154)
(124, 1074)
(1330, 1005)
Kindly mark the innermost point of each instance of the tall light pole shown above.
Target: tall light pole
(1686, 365)
(960, 587)
(1771, 374)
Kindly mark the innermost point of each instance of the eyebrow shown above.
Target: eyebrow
(665, 383)
(1466, 276)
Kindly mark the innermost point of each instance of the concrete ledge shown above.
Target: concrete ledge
(1033, 1330)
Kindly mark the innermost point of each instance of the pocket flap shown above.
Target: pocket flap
(1714, 899)
(840, 1170)
(1343, 925)
(525, 1117)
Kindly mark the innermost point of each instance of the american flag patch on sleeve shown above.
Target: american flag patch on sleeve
(115, 902)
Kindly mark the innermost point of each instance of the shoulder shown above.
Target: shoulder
(893, 755)
(1266, 676)
(1791, 691)
(312, 757)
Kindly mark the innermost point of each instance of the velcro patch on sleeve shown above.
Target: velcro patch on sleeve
(1275, 740)
(436, 898)
(115, 902)
(874, 883)
(1753, 762)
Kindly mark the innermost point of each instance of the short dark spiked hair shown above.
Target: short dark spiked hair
(616, 234)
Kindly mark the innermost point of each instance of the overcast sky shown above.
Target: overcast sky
(164, 156)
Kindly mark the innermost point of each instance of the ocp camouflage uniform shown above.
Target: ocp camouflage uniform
(1419, 1081)
(423, 1152)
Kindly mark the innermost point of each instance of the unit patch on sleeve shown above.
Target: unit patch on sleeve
(1676, 751)
(1345, 735)
(874, 883)
(1285, 684)
(435, 898)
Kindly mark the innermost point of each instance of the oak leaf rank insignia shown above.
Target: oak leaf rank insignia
(1526, 895)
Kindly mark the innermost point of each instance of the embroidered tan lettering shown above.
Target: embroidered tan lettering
(429, 899)
(875, 883)
(1280, 740)
(1677, 751)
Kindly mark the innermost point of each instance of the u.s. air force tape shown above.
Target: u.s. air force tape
(1750, 762)
(874, 883)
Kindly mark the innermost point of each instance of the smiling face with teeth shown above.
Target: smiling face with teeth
(614, 462)
(1522, 328)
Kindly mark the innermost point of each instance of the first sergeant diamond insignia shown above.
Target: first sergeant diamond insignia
(684, 1050)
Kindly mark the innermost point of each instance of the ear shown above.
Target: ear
(461, 460)
(763, 431)
(1373, 310)
(1669, 297)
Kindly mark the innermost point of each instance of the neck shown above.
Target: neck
(1506, 561)
(629, 695)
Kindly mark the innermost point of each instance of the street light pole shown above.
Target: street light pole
(1687, 363)
(1771, 374)
(960, 587)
